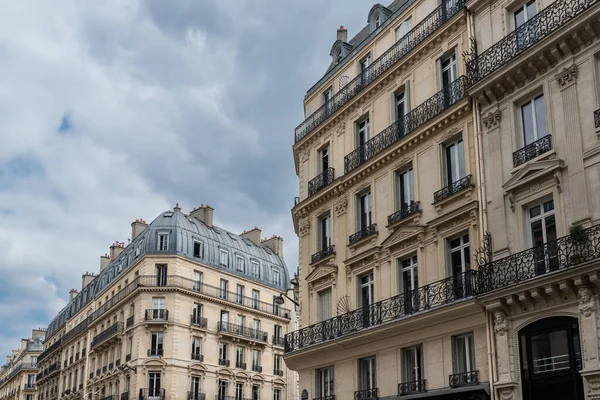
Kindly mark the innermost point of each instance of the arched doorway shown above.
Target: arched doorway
(551, 359)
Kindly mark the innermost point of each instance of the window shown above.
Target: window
(524, 13)
(197, 312)
(400, 105)
(277, 331)
(224, 320)
(223, 351)
(454, 162)
(196, 347)
(328, 98)
(156, 344)
(255, 298)
(403, 29)
(276, 394)
(256, 324)
(161, 275)
(405, 192)
(277, 364)
(239, 264)
(224, 256)
(224, 288)
(195, 388)
(197, 280)
(163, 241)
(409, 282)
(222, 389)
(412, 364)
(463, 353)
(460, 256)
(197, 249)
(154, 384)
(158, 307)
(448, 68)
(366, 290)
(324, 159)
(367, 377)
(324, 307)
(239, 391)
(239, 294)
(239, 356)
(276, 278)
(542, 230)
(255, 269)
(255, 392)
(255, 359)
(324, 234)
(363, 219)
(362, 133)
(364, 70)
(533, 120)
(324, 382)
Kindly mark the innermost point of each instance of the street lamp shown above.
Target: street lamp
(125, 367)
(279, 300)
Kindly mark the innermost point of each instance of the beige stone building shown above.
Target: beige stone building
(388, 215)
(17, 375)
(535, 76)
(187, 310)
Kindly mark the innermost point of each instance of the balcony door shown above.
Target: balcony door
(158, 306)
(454, 163)
(324, 232)
(161, 275)
(154, 385)
(362, 138)
(195, 389)
(222, 390)
(410, 284)
(526, 25)
(405, 193)
(412, 365)
(542, 234)
(367, 376)
(366, 295)
(460, 264)
(364, 211)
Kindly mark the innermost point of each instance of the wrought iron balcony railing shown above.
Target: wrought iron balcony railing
(79, 329)
(98, 371)
(152, 394)
(331, 397)
(362, 233)
(436, 294)
(29, 386)
(240, 365)
(257, 368)
(128, 357)
(320, 181)
(464, 379)
(244, 331)
(382, 64)
(197, 357)
(196, 396)
(323, 254)
(539, 27)
(111, 366)
(125, 396)
(157, 315)
(560, 254)
(433, 106)
(223, 362)
(278, 340)
(55, 346)
(412, 387)
(200, 322)
(405, 211)
(532, 150)
(366, 394)
(278, 372)
(107, 334)
(597, 118)
(155, 352)
(130, 322)
(453, 188)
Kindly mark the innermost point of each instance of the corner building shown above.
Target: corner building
(185, 311)
(17, 375)
(388, 215)
(535, 76)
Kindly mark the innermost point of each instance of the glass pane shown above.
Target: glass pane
(550, 352)
(537, 235)
(460, 355)
(540, 117)
(519, 17)
(527, 118)
(550, 228)
(531, 11)
(535, 211)
(456, 263)
(460, 160)
(549, 205)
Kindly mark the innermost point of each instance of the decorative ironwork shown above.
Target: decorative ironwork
(49, 350)
(412, 387)
(197, 357)
(323, 254)
(483, 255)
(436, 294)
(244, 331)
(129, 322)
(439, 102)
(257, 368)
(403, 212)
(363, 233)
(196, 396)
(320, 181)
(332, 397)
(464, 379)
(198, 321)
(155, 352)
(223, 362)
(152, 394)
(597, 118)
(382, 64)
(107, 334)
(539, 27)
(560, 254)
(532, 150)
(157, 315)
(366, 394)
(453, 188)
(79, 329)
(125, 396)
(278, 372)
(240, 365)
(278, 340)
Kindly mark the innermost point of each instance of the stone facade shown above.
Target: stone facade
(17, 375)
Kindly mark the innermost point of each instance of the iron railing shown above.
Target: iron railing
(405, 388)
(240, 365)
(403, 212)
(107, 334)
(433, 106)
(382, 64)
(198, 321)
(453, 188)
(257, 368)
(155, 314)
(29, 386)
(278, 372)
(125, 396)
(560, 254)
(540, 26)
(463, 379)
(366, 394)
(330, 397)
(320, 181)
(128, 357)
(436, 294)
(155, 352)
(223, 362)
(532, 150)
(198, 357)
(362, 233)
(278, 340)
(79, 329)
(130, 322)
(152, 394)
(196, 396)
(55, 346)
(597, 118)
(321, 255)
(243, 331)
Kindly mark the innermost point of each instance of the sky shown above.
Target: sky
(115, 110)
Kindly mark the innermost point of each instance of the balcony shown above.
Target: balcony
(597, 118)
(155, 352)
(536, 29)
(98, 371)
(223, 362)
(152, 394)
(109, 333)
(441, 101)
(463, 379)
(532, 150)
(117, 362)
(29, 386)
(366, 394)
(323, 254)
(128, 357)
(320, 181)
(125, 396)
(363, 233)
(379, 66)
(278, 372)
(412, 387)
(453, 188)
(436, 294)
(111, 366)
(278, 340)
(197, 357)
(196, 396)
(55, 346)
(242, 331)
(240, 365)
(405, 211)
(331, 397)
(199, 322)
(155, 315)
(257, 368)
(129, 322)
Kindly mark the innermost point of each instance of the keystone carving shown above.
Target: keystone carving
(566, 76)
(492, 120)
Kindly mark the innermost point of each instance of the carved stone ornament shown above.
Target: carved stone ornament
(403, 161)
(593, 384)
(340, 206)
(586, 301)
(341, 129)
(558, 181)
(566, 76)
(506, 393)
(304, 227)
(451, 132)
(304, 156)
(500, 322)
(492, 119)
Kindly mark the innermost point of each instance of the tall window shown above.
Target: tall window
(454, 162)
(256, 325)
(276, 394)
(222, 389)
(255, 359)
(324, 234)
(223, 257)
(239, 294)
(463, 353)
(460, 255)
(362, 132)
(255, 269)
(196, 347)
(364, 68)
(400, 106)
(449, 71)
(324, 382)
(412, 364)
(158, 306)
(161, 275)
(277, 331)
(255, 392)
(366, 293)
(239, 263)
(324, 159)
(403, 29)
(197, 280)
(328, 99)
(223, 351)
(542, 232)
(224, 288)
(324, 307)
(533, 119)
(195, 388)
(524, 13)
(239, 391)
(255, 298)
(197, 312)
(276, 277)
(154, 384)
(405, 192)
(239, 356)
(367, 375)
(277, 364)
(364, 211)
(197, 249)
(156, 344)
(224, 319)
(163, 241)
(409, 282)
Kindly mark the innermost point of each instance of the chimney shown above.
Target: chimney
(38, 333)
(253, 235)
(275, 243)
(342, 34)
(204, 213)
(24, 344)
(72, 294)
(137, 227)
(86, 279)
(116, 249)
(7, 360)
(104, 261)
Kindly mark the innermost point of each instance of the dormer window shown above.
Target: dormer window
(377, 20)
(163, 241)
(377, 16)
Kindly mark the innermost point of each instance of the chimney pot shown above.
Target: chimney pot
(342, 34)
(275, 244)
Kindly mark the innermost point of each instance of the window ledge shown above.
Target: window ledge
(548, 154)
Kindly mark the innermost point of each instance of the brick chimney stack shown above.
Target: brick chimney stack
(116, 249)
(275, 244)
(137, 227)
(342, 34)
(204, 213)
(252, 235)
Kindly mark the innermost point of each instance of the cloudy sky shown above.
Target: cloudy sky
(114, 110)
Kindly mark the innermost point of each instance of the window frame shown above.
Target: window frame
(455, 148)
(163, 241)
(532, 101)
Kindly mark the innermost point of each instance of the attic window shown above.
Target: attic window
(248, 242)
(223, 259)
(197, 249)
(163, 241)
(231, 236)
(168, 214)
(377, 20)
(338, 55)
